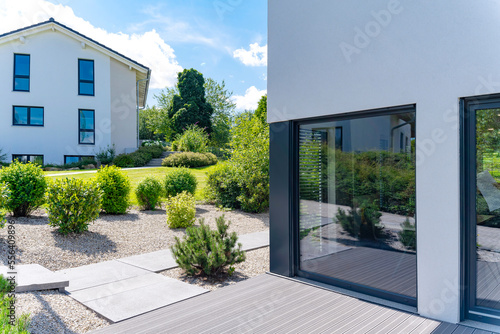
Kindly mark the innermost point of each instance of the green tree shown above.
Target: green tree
(220, 100)
(190, 105)
(261, 111)
(154, 123)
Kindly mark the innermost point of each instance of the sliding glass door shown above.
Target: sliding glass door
(482, 210)
(357, 226)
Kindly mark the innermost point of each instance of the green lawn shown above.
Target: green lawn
(136, 175)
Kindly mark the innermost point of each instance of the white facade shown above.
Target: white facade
(54, 53)
(333, 57)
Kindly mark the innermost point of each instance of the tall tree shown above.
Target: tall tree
(190, 105)
(220, 100)
(261, 111)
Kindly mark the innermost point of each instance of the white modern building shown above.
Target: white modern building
(65, 96)
(351, 85)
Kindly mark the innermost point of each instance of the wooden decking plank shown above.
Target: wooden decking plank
(480, 331)
(350, 322)
(463, 330)
(384, 327)
(362, 328)
(426, 327)
(445, 328)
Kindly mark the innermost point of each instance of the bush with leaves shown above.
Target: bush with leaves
(362, 222)
(26, 185)
(181, 210)
(20, 324)
(204, 251)
(189, 159)
(3, 199)
(123, 160)
(222, 187)
(72, 204)
(194, 139)
(149, 193)
(408, 235)
(106, 155)
(179, 180)
(116, 188)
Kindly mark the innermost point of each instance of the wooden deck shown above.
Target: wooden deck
(272, 304)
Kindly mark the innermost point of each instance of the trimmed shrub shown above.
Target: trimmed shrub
(21, 323)
(116, 188)
(149, 193)
(124, 160)
(194, 139)
(408, 235)
(363, 222)
(204, 251)
(26, 185)
(72, 204)
(189, 159)
(180, 180)
(3, 199)
(222, 187)
(155, 150)
(181, 210)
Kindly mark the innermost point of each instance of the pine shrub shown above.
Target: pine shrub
(72, 204)
(363, 222)
(26, 185)
(189, 159)
(180, 180)
(116, 188)
(149, 192)
(181, 210)
(204, 251)
(222, 187)
(408, 235)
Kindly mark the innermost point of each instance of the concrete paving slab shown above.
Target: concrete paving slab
(34, 277)
(131, 297)
(155, 261)
(99, 273)
(254, 240)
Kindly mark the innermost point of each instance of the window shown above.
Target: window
(356, 203)
(85, 77)
(21, 72)
(25, 158)
(69, 159)
(29, 116)
(86, 127)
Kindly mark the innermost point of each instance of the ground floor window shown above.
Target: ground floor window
(356, 202)
(69, 159)
(86, 124)
(481, 208)
(25, 158)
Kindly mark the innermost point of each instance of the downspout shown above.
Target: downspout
(137, 102)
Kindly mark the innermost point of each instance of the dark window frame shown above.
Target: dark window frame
(86, 130)
(28, 116)
(86, 81)
(295, 265)
(14, 76)
(80, 157)
(14, 156)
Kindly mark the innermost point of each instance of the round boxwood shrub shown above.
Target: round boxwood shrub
(189, 159)
(26, 185)
(180, 180)
(149, 193)
(181, 210)
(222, 186)
(124, 160)
(116, 188)
(72, 204)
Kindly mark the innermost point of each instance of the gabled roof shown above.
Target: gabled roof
(143, 73)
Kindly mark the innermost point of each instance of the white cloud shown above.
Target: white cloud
(250, 100)
(255, 56)
(147, 48)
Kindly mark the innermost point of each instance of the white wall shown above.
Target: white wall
(54, 86)
(426, 52)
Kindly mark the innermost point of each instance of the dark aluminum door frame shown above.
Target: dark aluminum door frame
(468, 172)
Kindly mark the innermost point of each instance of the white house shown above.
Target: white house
(65, 96)
(352, 84)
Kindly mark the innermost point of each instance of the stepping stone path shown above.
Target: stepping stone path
(127, 287)
(34, 277)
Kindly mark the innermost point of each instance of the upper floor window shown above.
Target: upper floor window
(30, 116)
(85, 77)
(21, 72)
(86, 126)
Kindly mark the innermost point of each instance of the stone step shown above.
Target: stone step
(34, 277)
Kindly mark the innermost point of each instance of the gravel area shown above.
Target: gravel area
(54, 312)
(110, 236)
(256, 263)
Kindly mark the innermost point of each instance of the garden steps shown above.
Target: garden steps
(34, 277)
(157, 161)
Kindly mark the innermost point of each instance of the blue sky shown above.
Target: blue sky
(223, 39)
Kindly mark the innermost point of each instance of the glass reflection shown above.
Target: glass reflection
(357, 201)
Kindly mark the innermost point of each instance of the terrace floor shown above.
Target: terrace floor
(273, 304)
